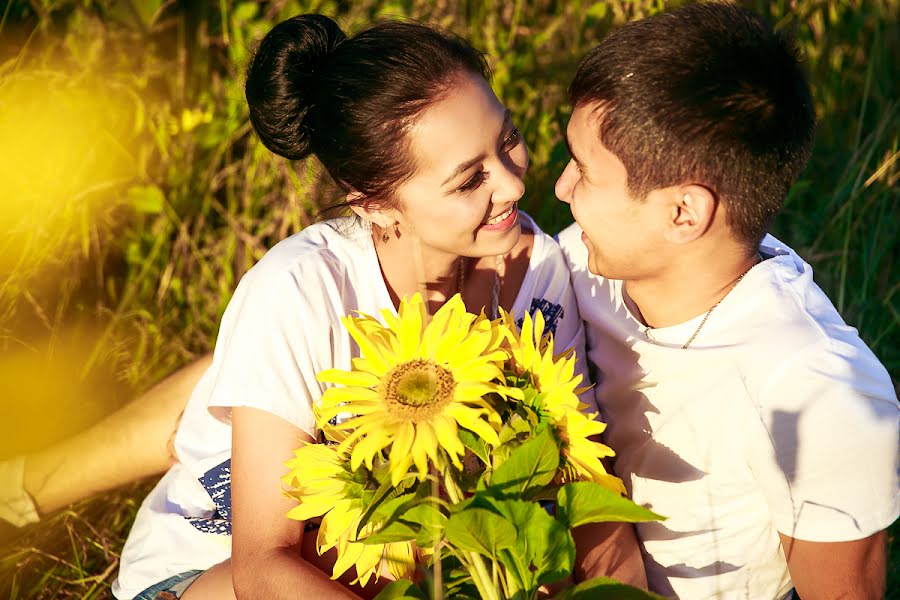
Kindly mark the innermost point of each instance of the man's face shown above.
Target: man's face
(623, 235)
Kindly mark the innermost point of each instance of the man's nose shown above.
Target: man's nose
(565, 183)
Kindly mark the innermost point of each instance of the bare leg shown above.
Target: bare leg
(128, 445)
(214, 583)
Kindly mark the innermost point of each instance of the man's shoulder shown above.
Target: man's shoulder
(796, 335)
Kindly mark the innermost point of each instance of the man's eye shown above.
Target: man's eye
(474, 182)
(512, 140)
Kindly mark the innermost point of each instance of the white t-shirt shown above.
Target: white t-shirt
(777, 418)
(281, 328)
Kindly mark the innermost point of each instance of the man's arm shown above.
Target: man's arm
(608, 550)
(831, 570)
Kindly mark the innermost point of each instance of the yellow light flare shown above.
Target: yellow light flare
(67, 143)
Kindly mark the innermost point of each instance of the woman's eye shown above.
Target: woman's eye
(512, 140)
(474, 182)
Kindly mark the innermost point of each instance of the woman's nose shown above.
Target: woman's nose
(510, 188)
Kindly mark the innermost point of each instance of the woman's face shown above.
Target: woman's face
(469, 160)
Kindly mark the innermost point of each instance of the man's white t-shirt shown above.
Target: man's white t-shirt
(281, 328)
(777, 418)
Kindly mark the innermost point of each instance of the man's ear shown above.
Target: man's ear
(692, 212)
(371, 210)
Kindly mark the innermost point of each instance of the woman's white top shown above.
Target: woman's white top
(280, 329)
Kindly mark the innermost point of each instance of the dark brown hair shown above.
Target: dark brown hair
(706, 94)
(349, 101)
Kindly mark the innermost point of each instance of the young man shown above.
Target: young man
(739, 403)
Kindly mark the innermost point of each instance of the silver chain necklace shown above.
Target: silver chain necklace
(650, 337)
(499, 271)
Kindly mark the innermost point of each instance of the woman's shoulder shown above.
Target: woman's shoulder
(318, 269)
(328, 249)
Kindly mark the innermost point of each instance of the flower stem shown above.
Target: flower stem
(476, 567)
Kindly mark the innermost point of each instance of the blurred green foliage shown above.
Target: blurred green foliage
(113, 282)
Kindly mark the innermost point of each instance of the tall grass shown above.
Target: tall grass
(123, 240)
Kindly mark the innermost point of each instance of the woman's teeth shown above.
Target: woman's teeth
(501, 217)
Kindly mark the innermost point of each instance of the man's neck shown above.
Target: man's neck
(688, 288)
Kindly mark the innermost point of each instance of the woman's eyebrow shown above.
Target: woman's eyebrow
(463, 167)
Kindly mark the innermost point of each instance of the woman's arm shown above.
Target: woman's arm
(266, 545)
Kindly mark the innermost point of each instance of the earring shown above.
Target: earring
(397, 230)
(385, 237)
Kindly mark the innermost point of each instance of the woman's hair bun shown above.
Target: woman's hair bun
(282, 81)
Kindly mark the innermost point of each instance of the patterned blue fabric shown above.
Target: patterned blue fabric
(217, 483)
(552, 313)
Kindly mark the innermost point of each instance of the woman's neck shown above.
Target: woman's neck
(409, 267)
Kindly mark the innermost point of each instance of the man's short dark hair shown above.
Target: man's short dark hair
(707, 94)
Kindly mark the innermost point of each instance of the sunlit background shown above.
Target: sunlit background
(133, 196)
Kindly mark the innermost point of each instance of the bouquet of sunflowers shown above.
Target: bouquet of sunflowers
(459, 444)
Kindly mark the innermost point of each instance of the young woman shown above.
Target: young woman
(403, 119)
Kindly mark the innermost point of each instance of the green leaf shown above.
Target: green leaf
(604, 588)
(147, 199)
(403, 589)
(385, 493)
(515, 426)
(474, 443)
(531, 465)
(432, 522)
(479, 530)
(398, 531)
(544, 549)
(598, 10)
(586, 502)
(390, 510)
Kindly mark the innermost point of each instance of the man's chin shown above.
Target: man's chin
(594, 268)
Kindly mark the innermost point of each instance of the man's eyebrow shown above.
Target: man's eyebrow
(463, 167)
(572, 154)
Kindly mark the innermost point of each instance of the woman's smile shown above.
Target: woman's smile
(503, 221)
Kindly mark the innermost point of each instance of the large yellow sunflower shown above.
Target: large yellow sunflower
(320, 482)
(415, 383)
(557, 384)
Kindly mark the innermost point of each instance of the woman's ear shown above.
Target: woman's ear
(371, 210)
(693, 211)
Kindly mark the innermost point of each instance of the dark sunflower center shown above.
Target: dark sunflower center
(418, 387)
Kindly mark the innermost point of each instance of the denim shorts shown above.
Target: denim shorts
(170, 589)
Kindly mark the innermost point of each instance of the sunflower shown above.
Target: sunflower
(553, 377)
(323, 485)
(415, 383)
